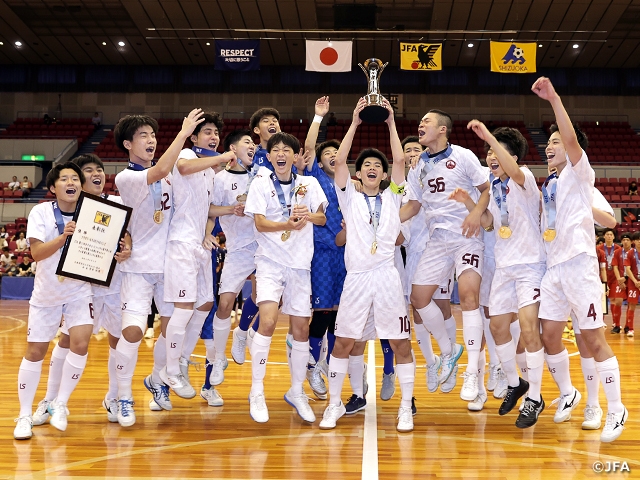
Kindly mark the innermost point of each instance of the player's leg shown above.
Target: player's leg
(592, 411)
(58, 357)
(472, 328)
(357, 375)
(632, 302)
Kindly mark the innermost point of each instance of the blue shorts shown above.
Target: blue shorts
(327, 276)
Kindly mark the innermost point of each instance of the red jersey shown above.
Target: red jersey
(631, 261)
(613, 257)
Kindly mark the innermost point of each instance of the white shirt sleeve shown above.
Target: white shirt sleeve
(318, 198)
(133, 186)
(413, 181)
(36, 226)
(257, 198)
(583, 169)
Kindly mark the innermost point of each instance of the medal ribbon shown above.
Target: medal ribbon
(204, 151)
(283, 202)
(374, 216)
(499, 189)
(428, 161)
(252, 171)
(549, 197)
(59, 220)
(609, 255)
(155, 188)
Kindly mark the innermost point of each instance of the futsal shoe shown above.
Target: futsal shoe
(592, 418)
(530, 413)
(331, 415)
(355, 404)
(42, 413)
(614, 426)
(566, 404)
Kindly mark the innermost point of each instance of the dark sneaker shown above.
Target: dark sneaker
(626, 329)
(355, 404)
(414, 410)
(615, 329)
(513, 395)
(530, 412)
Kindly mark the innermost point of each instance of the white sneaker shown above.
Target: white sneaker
(178, 384)
(592, 418)
(469, 390)
(365, 383)
(258, 408)
(126, 414)
(331, 415)
(566, 404)
(451, 382)
(614, 426)
(324, 368)
(301, 404)
(183, 363)
(502, 386)
(58, 412)
(149, 333)
(154, 407)
(111, 406)
(217, 372)
(493, 377)
(160, 393)
(388, 386)
(449, 362)
(212, 396)
(432, 375)
(316, 382)
(405, 419)
(23, 428)
(238, 346)
(250, 333)
(42, 413)
(478, 404)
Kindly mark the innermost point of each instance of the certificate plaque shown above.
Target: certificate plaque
(88, 254)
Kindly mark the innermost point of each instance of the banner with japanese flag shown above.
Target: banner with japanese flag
(323, 56)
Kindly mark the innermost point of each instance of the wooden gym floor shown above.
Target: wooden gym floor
(198, 441)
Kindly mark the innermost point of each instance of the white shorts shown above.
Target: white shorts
(138, 289)
(44, 322)
(442, 293)
(237, 267)
(573, 285)
(515, 287)
(293, 285)
(107, 311)
(369, 332)
(488, 271)
(447, 251)
(378, 291)
(188, 276)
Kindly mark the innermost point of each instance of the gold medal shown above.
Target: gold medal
(504, 232)
(158, 216)
(60, 278)
(285, 235)
(549, 235)
(242, 198)
(374, 247)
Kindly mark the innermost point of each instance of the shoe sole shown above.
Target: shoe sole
(235, 360)
(212, 405)
(165, 380)
(468, 398)
(609, 440)
(356, 410)
(319, 395)
(23, 438)
(404, 430)
(112, 418)
(298, 411)
(527, 426)
(592, 427)
(575, 404)
(37, 424)
(324, 427)
(126, 424)
(389, 397)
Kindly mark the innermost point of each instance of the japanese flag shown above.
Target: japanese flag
(328, 56)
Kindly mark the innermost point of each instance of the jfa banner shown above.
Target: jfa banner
(420, 56)
(513, 57)
(238, 55)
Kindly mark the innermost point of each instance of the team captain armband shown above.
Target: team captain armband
(398, 190)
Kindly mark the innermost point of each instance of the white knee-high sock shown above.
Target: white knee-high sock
(259, 354)
(126, 359)
(71, 372)
(176, 329)
(507, 358)
(299, 357)
(58, 356)
(481, 370)
(515, 331)
(211, 352)
(472, 328)
(423, 338)
(433, 321)
(450, 326)
(609, 372)
(192, 333)
(338, 368)
(406, 378)
(28, 379)
(521, 360)
(356, 371)
(112, 394)
(559, 368)
(159, 358)
(221, 329)
(488, 338)
(535, 364)
(591, 380)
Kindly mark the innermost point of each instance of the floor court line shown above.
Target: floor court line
(370, 433)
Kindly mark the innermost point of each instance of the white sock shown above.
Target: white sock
(423, 337)
(211, 352)
(289, 339)
(324, 348)
(28, 380)
(406, 378)
(514, 327)
(126, 359)
(591, 380)
(338, 368)
(356, 371)
(55, 371)
(450, 327)
(176, 329)
(299, 357)
(507, 358)
(221, 329)
(259, 354)
(433, 321)
(192, 333)
(112, 394)
(488, 338)
(559, 368)
(609, 372)
(521, 360)
(159, 358)
(472, 329)
(535, 364)
(481, 370)
(71, 372)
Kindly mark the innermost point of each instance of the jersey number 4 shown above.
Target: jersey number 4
(436, 184)
(592, 312)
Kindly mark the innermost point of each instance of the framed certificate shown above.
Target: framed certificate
(88, 254)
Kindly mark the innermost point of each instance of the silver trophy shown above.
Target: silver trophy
(374, 112)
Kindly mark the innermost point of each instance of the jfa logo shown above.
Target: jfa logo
(514, 55)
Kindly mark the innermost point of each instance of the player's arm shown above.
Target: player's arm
(409, 210)
(620, 278)
(544, 89)
(630, 275)
(125, 248)
(321, 109)
(471, 224)
(41, 250)
(462, 196)
(341, 237)
(397, 172)
(220, 211)
(263, 225)
(505, 159)
(400, 239)
(318, 218)
(209, 241)
(189, 166)
(342, 175)
(603, 218)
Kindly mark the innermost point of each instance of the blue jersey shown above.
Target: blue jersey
(326, 235)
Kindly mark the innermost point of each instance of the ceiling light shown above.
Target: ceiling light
(18, 43)
(575, 45)
(104, 43)
(539, 45)
(1, 43)
(121, 44)
(470, 45)
(208, 43)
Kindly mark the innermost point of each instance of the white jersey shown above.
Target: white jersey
(461, 169)
(297, 251)
(415, 230)
(574, 220)
(357, 255)
(525, 246)
(601, 203)
(149, 239)
(116, 278)
(47, 290)
(192, 195)
(228, 185)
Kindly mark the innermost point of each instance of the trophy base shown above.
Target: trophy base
(374, 114)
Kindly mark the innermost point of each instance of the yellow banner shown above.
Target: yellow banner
(513, 57)
(420, 56)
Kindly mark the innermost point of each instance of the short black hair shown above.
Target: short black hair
(583, 140)
(411, 139)
(444, 119)
(372, 152)
(263, 112)
(86, 159)
(607, 230)
(285, 138)
(128, 125)
(234, 137)
(625, 235)
(54, 173)
(328, 144)
(209, 117)
(513, 141)
(601, 239)
(635, 236)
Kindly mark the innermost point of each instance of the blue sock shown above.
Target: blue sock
(207, 384)
(249, 311)
(388, 357)
(315, 344)
(331, 341)
(256, 324)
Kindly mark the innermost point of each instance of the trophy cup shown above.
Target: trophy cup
(374, 112)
